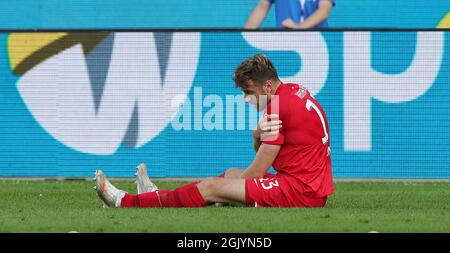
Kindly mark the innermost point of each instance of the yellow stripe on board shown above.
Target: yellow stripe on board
(23, 45)
(26, 50)
(445, 22)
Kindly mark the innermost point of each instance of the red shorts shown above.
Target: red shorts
(278, 191)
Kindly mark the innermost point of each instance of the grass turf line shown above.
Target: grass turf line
(63, 206)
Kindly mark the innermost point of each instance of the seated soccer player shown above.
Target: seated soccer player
(292, 137)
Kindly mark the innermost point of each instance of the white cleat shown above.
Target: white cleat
(143, 182)
(110, 195)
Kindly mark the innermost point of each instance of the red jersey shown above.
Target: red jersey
(305, 156)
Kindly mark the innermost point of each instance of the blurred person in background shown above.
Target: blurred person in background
(292, 14)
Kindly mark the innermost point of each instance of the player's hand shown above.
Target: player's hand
(268, 125)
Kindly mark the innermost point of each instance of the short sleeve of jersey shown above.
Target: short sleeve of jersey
(270, 1)
(274, 139)
(277, 106)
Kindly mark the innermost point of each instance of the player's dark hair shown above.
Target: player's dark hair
(257, 68)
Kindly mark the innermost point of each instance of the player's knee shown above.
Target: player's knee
(211, 184)
(210, 188)
(233, 173)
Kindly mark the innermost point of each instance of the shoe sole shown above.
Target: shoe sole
(100, 186)
(142, 172)
(141, 169)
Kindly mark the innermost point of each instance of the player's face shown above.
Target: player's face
(255, 95)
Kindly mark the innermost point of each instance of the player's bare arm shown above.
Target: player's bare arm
(269, 125)
(316, 18)
(263, 160)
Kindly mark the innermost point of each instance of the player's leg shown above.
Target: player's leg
(144, 184)
(215, 190)
(230, 173)
(233, 173)
(184, 196)
(192, 195)
(236, 173)
(223, 190)
(260, 192)
(200, 194)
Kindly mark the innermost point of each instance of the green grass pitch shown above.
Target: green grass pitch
(63, 206)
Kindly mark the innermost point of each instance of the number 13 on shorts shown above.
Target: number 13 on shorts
(268, 183)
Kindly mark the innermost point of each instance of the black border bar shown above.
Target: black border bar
(299, 242)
